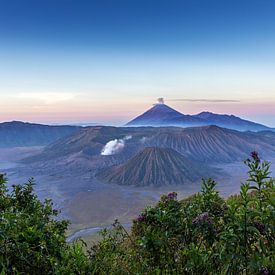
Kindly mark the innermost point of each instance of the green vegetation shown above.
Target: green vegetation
(204, 234)
(32, 240)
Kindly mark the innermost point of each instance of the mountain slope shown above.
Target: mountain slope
(212, 143)
(16, 134)
(154, 166)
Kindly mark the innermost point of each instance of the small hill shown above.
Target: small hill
(154, 166)
(21, 134)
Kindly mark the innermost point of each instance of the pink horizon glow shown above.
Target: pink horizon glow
(121, 113)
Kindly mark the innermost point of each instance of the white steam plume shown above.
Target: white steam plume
(143, 139)
(114, 146)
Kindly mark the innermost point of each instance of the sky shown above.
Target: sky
(106, 61)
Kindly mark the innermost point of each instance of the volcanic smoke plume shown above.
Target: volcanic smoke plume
(114, 146)
(160, 100)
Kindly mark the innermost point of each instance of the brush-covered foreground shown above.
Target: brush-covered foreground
(204, 234)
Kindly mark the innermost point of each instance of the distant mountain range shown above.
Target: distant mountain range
(163, 115)
(17, 133)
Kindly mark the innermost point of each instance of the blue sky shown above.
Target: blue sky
(106, 61)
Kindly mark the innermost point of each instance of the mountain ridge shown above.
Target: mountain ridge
(21, 134)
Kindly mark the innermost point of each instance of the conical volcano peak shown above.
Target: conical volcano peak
(158, 115)
(163, 108)
(163, 115)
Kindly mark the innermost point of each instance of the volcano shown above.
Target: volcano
(154, 166)
(163, 115)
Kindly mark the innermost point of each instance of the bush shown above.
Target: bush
(32, 240)
(203, 234)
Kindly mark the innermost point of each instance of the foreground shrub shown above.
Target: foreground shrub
(203, 234)
(32, 241)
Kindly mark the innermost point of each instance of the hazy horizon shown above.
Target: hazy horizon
(123, 121)
(106, 62)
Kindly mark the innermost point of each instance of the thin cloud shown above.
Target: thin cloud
(205, 100)
(46, 98)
